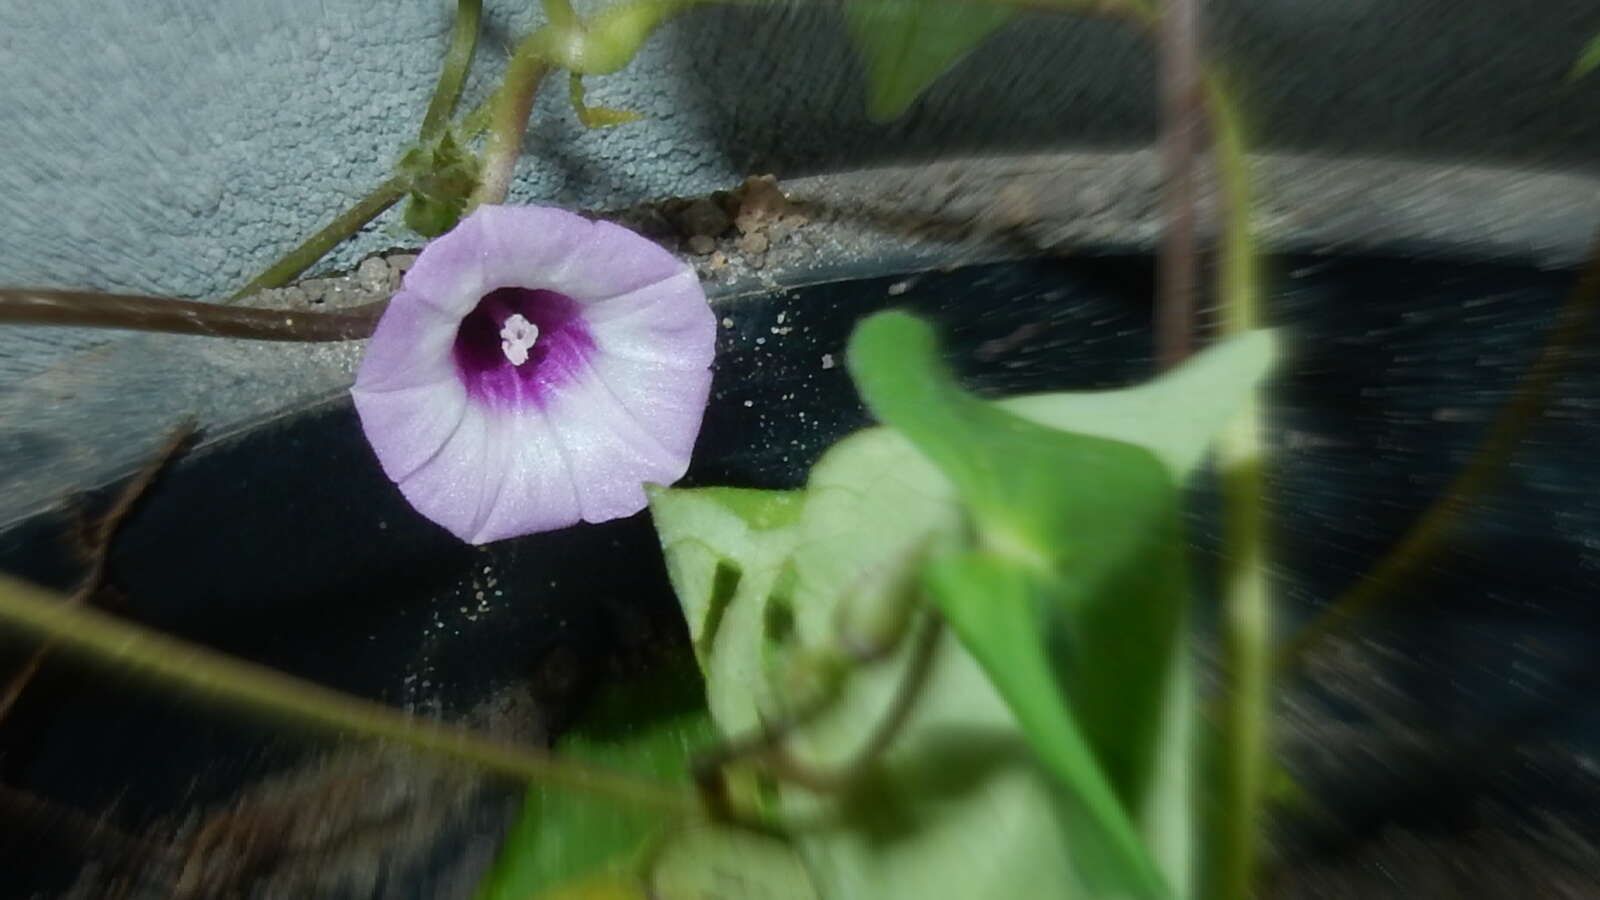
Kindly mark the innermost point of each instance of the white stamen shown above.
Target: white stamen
(516, 338)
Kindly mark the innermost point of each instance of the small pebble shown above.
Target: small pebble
(373, 273)
(703, 218)
(761, 198)
(701, 245)
(827, 360)
(753, 244)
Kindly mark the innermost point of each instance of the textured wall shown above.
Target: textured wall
(177, 146)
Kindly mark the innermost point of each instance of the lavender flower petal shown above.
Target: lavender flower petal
(536, 369)
(459, 483)
(538, 493)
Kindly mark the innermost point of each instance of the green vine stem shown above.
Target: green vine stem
(86, 309)
(560, 15)
(508, 121)
(453, 75)
(600, 46)
(446, 93)
(207, 674)
(1238, 281)
(1247, 609)
(1573, 321)
(328, 237)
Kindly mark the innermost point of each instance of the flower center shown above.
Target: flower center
(516, 337)
(518, 343)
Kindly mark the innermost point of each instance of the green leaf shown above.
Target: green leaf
(608, 886)
(959, 806)
(726, 551)
(1091, 521)
(1078, 553)
(1013, 474)
(908, 44)
(1176, 416)
(570, 845)
(708, 863)
(997, 610)
(1077, 587)
(1587, 61)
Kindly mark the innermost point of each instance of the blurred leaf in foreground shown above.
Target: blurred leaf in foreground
(908, 44)
(958, 806)
(568, 845)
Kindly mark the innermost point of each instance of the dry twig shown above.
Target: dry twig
(95, 548)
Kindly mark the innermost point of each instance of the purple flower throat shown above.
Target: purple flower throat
(518, 344)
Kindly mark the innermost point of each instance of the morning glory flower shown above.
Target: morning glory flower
(536, 369)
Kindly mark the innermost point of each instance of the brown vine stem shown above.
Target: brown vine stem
(210, 675)
(906, 695)
(1181, 115)
(88, 309)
